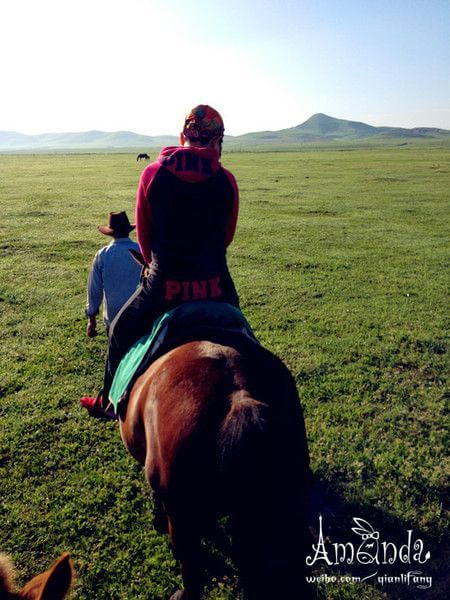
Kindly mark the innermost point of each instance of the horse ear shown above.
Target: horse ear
(137, 257)
(53, 584)
(6, 575)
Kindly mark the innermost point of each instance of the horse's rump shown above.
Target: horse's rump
(225, 420)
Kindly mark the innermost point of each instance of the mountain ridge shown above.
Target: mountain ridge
(318, 128)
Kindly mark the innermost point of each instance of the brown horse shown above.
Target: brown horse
(53, 584)
(220, 431)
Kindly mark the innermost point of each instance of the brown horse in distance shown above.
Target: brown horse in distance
(220, 431)
(53, 584)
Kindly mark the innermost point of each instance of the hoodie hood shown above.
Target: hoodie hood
(190, 163)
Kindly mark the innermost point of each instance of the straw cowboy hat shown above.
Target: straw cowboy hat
(118, 224)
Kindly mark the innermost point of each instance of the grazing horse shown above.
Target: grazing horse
(220, 432)
(53, 584)
(142, 156)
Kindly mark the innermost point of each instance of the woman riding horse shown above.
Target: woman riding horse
(186, 214)
(217, 423)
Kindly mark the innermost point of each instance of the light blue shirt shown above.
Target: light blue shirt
(114, 277)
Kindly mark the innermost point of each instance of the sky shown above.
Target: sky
(141, 65)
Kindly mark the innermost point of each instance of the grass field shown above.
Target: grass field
(340, 261)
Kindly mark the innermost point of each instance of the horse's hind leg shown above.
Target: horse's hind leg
(269, 537)
(159, 514)
(159, 510)
(185, 540)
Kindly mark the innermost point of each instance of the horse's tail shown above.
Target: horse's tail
(265, 486)
(242, 446)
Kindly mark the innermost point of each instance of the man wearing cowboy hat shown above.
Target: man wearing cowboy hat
(114, 273)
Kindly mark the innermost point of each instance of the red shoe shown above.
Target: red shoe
(95, 408)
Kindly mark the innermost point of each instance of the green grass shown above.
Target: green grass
(339, 260)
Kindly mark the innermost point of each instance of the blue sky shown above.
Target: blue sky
(140, 65)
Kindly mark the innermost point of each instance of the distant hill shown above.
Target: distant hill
(321, 128)
(318, 129)
(89, 141)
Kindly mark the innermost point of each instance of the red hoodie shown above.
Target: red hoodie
(189, 165)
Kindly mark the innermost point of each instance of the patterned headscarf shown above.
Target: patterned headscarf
(203, 124)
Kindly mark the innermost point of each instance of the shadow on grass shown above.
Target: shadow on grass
(338, 517)
(391, 537)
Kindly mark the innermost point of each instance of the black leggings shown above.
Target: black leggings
(156, 295)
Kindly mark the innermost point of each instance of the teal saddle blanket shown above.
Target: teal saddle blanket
(199, 320)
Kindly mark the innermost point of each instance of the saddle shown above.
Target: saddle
(202, 320)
